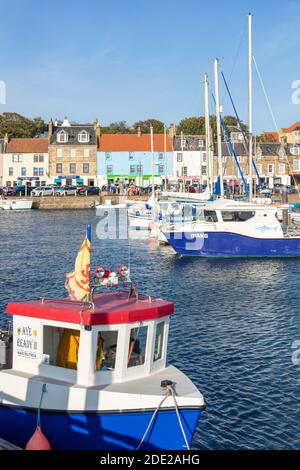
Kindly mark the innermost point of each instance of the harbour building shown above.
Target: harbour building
(128, 158)
(24, 162)
(73, 153)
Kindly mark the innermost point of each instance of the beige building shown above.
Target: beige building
(24, 162)
(273, 161)
(290, 135)
(73, 153)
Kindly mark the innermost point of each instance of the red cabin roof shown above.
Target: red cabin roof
(110, 308)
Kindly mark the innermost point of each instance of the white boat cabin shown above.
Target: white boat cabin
(110, 340)
(239, 217)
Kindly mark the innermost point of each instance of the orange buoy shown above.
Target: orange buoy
(38, 441)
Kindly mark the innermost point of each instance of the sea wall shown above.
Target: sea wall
(78, 202)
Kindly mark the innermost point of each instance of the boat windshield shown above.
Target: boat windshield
(106, 350)
(137, 346)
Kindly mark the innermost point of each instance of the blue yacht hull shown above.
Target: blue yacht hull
(100, 431)
(231, 245)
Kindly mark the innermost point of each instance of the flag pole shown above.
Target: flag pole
(89, 232)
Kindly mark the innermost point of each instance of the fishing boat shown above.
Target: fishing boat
(90, 371)
(229, 229)
(15, 204)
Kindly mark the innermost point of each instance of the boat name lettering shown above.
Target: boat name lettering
(26, 343)
(200, 235)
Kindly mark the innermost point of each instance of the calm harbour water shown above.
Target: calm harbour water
(232, 332)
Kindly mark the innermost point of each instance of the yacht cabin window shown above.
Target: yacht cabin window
(137, 346)
(210, 216)
(159, 341)
(106, 350)
(237, 216)
(60, 347)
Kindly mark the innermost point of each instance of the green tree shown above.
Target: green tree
(191, 126)
(118, 127)
(196, 125)
(16, 125)
(158, 126)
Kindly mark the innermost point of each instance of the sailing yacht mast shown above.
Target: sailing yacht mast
(152, 157)
(165, 155)
(207, 135)
(250, 102)
(182, 164)
(219, 134)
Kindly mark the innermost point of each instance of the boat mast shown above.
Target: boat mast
(182, 165)
(207, 135)
(250, 102)
(219, 132)
(165, 150)
(152, 157)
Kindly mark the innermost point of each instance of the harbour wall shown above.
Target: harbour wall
(78, 202)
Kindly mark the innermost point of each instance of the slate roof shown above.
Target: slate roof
(239, 149)
(269, 148)
(73, 132)
(192, 142)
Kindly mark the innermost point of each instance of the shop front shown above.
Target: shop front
(70, 180)
(30, 181)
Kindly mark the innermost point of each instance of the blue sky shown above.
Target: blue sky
(130, 60)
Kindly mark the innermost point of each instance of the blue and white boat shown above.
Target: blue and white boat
(229, 229)
(95, 375)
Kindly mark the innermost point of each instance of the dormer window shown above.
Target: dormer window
(62, 137)
(83, 137)
(295, 150)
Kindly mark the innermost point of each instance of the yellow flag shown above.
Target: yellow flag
(78, 282)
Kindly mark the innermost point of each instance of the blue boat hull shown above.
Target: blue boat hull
(99, 431)
(231, 245)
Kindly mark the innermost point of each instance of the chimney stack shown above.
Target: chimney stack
(172, 131)
(5, 141)
(50, 129)
(97, 127)
(139, 132)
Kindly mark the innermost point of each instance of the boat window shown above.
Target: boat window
(60, 347)
(200, 215)
(237, 216)
(137, 346)
(106, 350)
(159, 340)
(210, 216)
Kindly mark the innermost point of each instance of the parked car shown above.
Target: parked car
(43, 191)
(23, 190)
(88, 190)
(191, 189)
(65, 191)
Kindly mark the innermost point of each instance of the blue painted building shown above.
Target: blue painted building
(128, 157)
